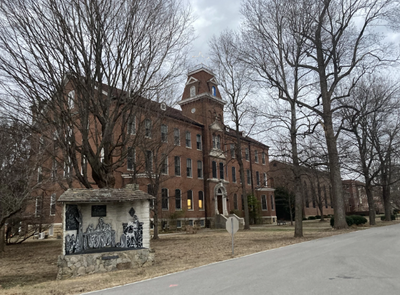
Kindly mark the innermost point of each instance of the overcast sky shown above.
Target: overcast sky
(211, 18)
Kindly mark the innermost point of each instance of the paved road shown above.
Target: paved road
(363, 262)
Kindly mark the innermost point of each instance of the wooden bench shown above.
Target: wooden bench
(281, 222)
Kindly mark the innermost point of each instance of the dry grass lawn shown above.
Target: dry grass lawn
(31, 268)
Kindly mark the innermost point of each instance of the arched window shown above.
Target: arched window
(192, 91)
(214, 91)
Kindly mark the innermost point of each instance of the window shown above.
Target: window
(214, 91)
(263, 158)
(234, 174)
(177, 166)
(190, 200)
(178, 224)
(258, 178)
(248, 177)
(264, 205)
(71, 97)
(131, 159)
(53, 205)
(54, 170)
(272, 203)
(38, 207)
(83, 164)
(214, 169)
(39, 174)
(221, 170)
(192, 91)
(147, 126)
(190, 222)
(178, 199)
(189, 167)
(177, 140)
(102, 155)
(188, 140)
(216, 141)
(164, 132)
(202, 223)
(201, 200)
(164, 164)
(164, 199)
(198, 141)
(199, 169)
(265, 179)
(132, 126)
(247, 155)
(149, 161)
(232, 150)
(235, 202)
(256, 156)
(67, 167)
(150, 189)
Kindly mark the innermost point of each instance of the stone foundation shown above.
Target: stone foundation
(83, 264)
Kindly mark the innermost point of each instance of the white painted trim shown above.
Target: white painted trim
(199, 96)
(191, 80)
(265, 189)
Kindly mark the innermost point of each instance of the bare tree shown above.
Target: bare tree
(374, 101)
(17, 172)
(235, 78)
(87, 70)
(276, 60)
(338, 47)
(152, 159)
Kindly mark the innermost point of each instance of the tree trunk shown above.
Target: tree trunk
(2, 241)
(334, 167)
(371, 204)
(298, 226)
(386, 202)
(320, 203)
(238, 151)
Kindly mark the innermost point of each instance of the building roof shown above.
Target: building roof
(231, 132)
(103, 195)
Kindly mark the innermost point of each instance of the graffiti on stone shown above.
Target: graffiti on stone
(132, 236)
(94, 238)
(71, 215)
(103, 236)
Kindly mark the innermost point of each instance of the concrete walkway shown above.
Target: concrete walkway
(363, 262)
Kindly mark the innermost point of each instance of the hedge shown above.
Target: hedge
(352, 219)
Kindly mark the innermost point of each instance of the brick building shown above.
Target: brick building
(356, 197)
(188, 155)
(316, 186)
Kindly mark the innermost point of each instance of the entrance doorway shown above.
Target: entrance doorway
(219, 201)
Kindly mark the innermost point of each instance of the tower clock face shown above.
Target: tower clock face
(193, 110)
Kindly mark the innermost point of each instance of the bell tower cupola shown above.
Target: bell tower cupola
(201, 99)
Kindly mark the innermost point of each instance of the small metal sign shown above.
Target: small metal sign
(232, 226)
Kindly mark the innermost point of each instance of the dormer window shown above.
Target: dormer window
(192, 91)
(214, 91)
(71, 97)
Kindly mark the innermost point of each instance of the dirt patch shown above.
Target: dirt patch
(31, 268)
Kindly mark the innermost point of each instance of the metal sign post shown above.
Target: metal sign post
(232, 226)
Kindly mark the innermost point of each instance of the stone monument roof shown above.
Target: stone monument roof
(103, 195)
